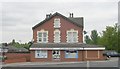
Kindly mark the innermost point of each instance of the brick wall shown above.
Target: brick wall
(17, 57)
(81, 57)
(65, 25)
(93, 55)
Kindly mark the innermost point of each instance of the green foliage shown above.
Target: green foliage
(118, 41)
(19, 45)
(94, 36)
(110, 38)
(84, 32)
(13, 41)
(87, 39)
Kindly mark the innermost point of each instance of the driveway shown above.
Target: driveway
(113, 62)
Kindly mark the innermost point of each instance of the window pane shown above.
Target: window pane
(44, 34)
(57, 22)
(38, 52)
(69, 34)
(41, 54)
(74, 39)
(75, 34)
(72, 36)
(39, 34)
(69, 37)
(57, 37)
(44, 39)
(56, 54)
(40, 39)
(71, 54)
(56, 34)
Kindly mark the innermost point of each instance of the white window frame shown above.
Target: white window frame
(68, 53)
(56, 56)
(57, 39)
(71, 31)
(55, 23)
(42, 38)
(41, 55)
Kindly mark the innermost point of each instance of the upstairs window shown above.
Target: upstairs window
(56, 36)
(42, 36)
(57, 23)
(72, 36)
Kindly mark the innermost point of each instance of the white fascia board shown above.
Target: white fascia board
(99, 48)
(56, 48)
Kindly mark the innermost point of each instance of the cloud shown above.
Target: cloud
(59, 1)
(18, 18)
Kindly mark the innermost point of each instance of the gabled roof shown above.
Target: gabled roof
(77, 21)
(13, 49)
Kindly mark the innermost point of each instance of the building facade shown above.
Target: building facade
(60, 38)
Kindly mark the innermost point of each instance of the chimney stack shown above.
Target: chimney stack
(71, 15)
(48, 15)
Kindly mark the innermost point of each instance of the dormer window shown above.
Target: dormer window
(57, 23)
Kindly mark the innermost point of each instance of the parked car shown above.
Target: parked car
(111, 54)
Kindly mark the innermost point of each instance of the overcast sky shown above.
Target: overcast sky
(18, 18)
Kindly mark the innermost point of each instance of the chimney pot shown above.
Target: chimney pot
(48, 15)
(72, 15)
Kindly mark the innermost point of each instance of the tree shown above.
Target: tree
(87, 39)
(119, 41)
(94, 36)
(84, 32)
(110, 38)
(20, 45)
(13, 42)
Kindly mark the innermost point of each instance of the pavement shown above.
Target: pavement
(112, 62)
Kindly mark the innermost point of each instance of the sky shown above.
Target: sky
(18, 18)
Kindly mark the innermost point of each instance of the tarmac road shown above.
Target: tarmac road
(113, 62)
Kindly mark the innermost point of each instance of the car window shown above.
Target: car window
(115, 53)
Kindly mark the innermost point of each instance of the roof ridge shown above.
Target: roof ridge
(46, 19)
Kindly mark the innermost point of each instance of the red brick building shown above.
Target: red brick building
(60, 38)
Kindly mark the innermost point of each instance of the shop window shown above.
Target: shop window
(56, 54)
(71, 54)
(40, 54)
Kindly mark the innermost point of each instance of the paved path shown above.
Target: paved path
(113, 62)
